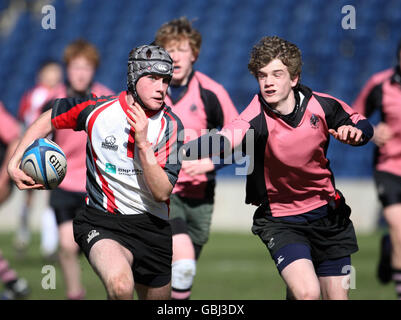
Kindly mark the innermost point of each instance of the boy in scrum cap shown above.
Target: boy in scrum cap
(132, 167)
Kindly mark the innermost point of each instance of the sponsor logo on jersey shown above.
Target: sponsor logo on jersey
(110, 168)
(109, 143)
(130, 172)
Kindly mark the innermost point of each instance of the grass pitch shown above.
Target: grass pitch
(232, 266)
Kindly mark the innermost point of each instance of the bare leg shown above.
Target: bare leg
(112, 262)
(335, 287)
(301, 280)
(393, 216)
(68, 255)
(182, 247)
(149, 293)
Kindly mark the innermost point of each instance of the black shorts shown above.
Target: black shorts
(147, 237)
(329, 238)
(388, 187)
(66, 204)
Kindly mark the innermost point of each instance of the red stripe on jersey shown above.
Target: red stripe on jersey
(131, 136)
(131, 139)
(131, 144)
(111, 200)
(164, 152)
(69, 119)
(163, 121)
(95, 115)
(163, 124)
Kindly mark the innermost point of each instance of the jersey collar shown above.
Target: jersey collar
(183, 91)
(302, 96)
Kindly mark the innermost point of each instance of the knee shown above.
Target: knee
(120, 287)
(307, 293)
(68, 248)
(183, 273)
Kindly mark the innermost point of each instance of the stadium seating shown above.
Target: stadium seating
(336, 61)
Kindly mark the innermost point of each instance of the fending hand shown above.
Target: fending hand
(347, 134)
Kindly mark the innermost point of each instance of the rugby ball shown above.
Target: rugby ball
(45, 162)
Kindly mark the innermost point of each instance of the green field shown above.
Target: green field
(232, 266)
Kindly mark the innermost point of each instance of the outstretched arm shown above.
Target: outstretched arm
(355, 135)
(206, 146)
(347, 134)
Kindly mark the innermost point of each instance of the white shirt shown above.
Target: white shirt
(115, 180)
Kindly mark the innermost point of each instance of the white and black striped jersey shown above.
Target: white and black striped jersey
(115, 180)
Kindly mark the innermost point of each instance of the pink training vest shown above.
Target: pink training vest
(296, 175)
(389, 157)
(33, 100)
(9, 127)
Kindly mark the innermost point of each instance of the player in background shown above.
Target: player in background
(201, 103)
(81, 60)
(301, 217)
(15, 287)
(382, 93)
(48, 86)
(132, 166)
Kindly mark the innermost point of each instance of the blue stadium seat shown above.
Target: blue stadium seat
(4, 4)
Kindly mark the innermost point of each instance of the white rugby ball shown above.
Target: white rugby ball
(45, 162)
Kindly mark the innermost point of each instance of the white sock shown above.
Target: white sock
(49, 232)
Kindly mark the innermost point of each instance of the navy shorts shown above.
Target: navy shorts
(147, 237)
(294, 251)
(325, 236)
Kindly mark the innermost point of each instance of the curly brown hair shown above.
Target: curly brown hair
(81, 47)
(178, 30)
(270, 48)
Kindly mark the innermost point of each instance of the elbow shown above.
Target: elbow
(161, 190)
(161, 197)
